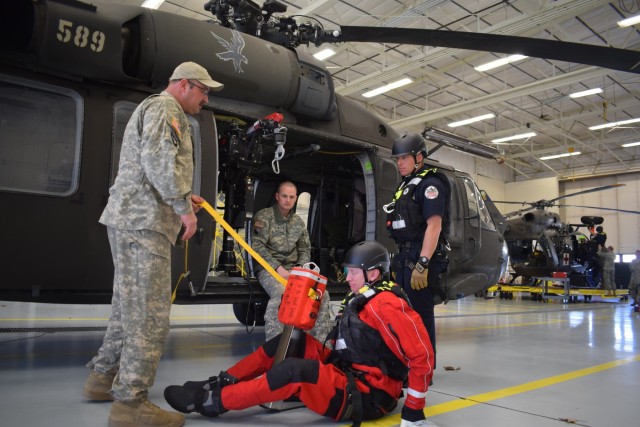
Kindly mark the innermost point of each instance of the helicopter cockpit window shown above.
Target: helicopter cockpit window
(122, 112)
(477, 208)
(41, 127)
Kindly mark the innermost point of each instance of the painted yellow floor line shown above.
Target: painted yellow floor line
(516, 325)
(454, 405)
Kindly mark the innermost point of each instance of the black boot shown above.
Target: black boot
(223, 379)
(188, 400)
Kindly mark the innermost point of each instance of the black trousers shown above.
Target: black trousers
(422, 301)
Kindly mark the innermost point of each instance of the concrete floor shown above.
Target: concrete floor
(515, 363)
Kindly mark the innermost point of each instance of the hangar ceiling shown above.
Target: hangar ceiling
(530, 95)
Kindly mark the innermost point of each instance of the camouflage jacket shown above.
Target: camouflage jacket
(153, 185)
(634, 266)
(607, 260)
(280, 241)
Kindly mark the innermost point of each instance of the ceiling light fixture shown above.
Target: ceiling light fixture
(631, 144)
(499, 62)
(471, 120)
(629, 21)
(585, 93)
(557, 156)
(512, 137)
(324, 54)
(152, 4)
(614, 124)
(387, 88)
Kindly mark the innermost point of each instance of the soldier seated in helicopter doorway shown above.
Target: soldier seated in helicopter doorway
(280, 237)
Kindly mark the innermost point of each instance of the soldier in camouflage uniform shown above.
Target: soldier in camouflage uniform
(149, 203)
(607, 259)
(281, 238)
(634, 280)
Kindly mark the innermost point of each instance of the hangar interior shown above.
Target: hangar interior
(501, 362)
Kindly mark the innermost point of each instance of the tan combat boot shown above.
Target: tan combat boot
(98, 385)
(140, 414)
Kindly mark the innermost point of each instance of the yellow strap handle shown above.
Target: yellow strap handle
(216, 216)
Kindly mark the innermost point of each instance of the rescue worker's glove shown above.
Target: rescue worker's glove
(419, 277)
(412, 417)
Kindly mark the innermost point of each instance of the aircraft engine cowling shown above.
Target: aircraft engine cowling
(132, 45)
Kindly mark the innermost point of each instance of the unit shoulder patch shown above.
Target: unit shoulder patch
(176, 133)
(431, 192)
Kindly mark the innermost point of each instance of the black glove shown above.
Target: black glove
(412, 415)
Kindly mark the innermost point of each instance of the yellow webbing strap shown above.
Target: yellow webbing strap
(216, 216)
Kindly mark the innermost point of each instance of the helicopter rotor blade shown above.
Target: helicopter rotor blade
(603, 209)
(600, 56)
(591, 190)
(511, 203)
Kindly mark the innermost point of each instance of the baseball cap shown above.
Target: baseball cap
(193, 71)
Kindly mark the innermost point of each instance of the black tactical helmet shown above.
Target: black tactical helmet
(409, 143)
(368, 255)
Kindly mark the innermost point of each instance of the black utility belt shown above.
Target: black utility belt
(407, 246)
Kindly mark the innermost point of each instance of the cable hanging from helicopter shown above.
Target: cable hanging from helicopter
(267, 128)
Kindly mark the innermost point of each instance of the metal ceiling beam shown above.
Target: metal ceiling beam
(483, 101)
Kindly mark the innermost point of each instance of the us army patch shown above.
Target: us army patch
(258, 225)
(431, 192)
(176, 134)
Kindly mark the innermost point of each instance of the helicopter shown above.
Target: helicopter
(71, 75)
(541, 244)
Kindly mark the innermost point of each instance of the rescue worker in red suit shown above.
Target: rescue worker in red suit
(418, 221)
(378, 343)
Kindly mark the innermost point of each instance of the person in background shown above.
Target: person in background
(634, 280)
(378, 343)
(600, 237)
(280, 237)
(150, 202)
(607, 259)
(417, 219)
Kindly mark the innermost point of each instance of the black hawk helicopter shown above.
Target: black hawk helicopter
(540, 243)
(71, 74)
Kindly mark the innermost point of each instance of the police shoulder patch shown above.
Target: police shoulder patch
(431, 192)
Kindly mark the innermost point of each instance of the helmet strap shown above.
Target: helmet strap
(416, 165)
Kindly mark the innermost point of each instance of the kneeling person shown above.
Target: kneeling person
(378, 343)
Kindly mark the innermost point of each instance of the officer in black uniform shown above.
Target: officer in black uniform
(417, 219)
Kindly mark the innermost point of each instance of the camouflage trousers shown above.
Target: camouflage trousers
(140, 308)
(633, 291)
(274, 327)
(609, 280)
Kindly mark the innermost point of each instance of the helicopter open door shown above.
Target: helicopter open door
(474, 241)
